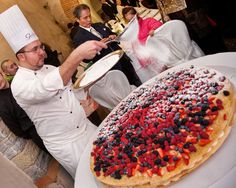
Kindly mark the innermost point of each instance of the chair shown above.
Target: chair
(111, 89)
(171, 44)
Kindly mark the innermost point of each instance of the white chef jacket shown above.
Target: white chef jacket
(56, 112)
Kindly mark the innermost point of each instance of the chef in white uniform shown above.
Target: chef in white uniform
(46, 93)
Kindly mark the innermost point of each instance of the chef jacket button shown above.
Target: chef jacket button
(77, 127)
(35, 73)
(71, 112)
(70, 89)
(60, 97)
(46, 67)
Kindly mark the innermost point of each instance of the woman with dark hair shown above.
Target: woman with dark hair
(145, 65)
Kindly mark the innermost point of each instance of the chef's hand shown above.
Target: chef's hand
(89, 49)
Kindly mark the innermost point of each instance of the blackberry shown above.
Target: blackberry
(226, 93)
(157, 162)
(116, 175)
(214, 108)
(166, 158)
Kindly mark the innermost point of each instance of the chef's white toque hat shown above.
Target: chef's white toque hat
(16, 29)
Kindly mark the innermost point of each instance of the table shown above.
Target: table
(217, 172)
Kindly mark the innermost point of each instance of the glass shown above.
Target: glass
(34, 49)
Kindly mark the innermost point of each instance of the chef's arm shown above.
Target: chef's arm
(87, 50)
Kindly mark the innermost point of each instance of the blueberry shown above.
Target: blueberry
(157, 162)
(176, 129)
(226, 93)
(156, 124)
(146, 164)
(184, 120)
(175, 158)
(205, 106)
(134, 159)
(186, 145)
(214, 108)
(104, 169)
(116, 174)
(155, 152)
(97, 168)
(205, 122)
(176, 87)
(119, 156)
(166, 158)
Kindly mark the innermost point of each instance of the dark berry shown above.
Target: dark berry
(214, 108)
(134, 159)
(176, 87)
(186, 145)
(116, 175)
(205, 122)
(157, 162)
(97, 168)
(175, 158)
(226, 93)
(166, 158)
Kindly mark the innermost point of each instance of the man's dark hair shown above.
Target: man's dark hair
(128, 9)
(77, 11)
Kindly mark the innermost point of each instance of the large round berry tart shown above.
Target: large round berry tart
(164, 129)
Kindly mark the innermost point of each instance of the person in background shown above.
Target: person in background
(9, 69)
(128, 3)
(203, 29)
(145, 65)
(151, 4)
(87, 31)
(46, 92)
(146, 26)
(109, 8)
(52, 56)
(15, 117)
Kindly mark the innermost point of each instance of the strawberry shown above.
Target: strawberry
(185, 158)
(225, 117)
(204, 135)
(161, 153)
(203, 142)
(98, 173)
(191, 139)
(150, 173)
(170, 168)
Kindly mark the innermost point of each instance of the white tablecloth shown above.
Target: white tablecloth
(219, 171)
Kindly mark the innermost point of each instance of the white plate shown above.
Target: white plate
(98, 69)
(217, 172)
